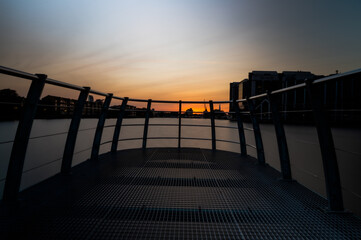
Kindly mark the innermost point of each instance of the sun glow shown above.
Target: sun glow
(172, 50)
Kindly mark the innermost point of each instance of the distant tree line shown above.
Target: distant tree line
(54, 107)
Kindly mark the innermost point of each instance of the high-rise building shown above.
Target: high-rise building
(297, 99)
(260, 82)
(263, 81)
(233, 94)
(338, 96)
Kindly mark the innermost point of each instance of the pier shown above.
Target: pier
(179, 192)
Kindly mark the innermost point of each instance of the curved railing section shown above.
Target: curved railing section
(20, 143)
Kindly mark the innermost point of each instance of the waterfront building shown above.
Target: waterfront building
(59, 107)
(51, 106)
(338, 96)
(297, 99)
(261, 82)
(189, 112)
(234, 88)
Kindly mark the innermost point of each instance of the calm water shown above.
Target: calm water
(43, 157)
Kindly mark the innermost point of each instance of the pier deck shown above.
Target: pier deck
(171, 194)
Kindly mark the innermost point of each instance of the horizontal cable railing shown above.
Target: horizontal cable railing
(42, 165)
(133, 125)
(252, 146)
(228, 141)
(22, 137)
(86, 129)
(109, 126)
(48, 135)
(129, 139)
(5, 142)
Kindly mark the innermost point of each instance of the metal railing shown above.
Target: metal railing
(15, 169)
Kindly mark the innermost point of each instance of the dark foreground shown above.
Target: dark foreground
(166, 194)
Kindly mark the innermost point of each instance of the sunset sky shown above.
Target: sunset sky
(176, 49)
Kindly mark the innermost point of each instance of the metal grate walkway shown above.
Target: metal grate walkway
(167, 194)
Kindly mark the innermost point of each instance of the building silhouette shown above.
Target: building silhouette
(338, 97)
(189, 112)
(59, 107)
(234, 93)
(56, 106)
(11, 106)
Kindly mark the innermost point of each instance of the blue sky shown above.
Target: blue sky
(170, 49)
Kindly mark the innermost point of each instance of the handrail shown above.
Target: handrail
(99, 93)
(29, 76)
(118, 98)
(63, 84)
(17, 73)
(337, 76)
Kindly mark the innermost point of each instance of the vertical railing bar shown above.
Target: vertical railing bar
(256, 132)
(146, 124)
(285, 100)
(73, 131)
(242, 138)
(179, 124)
(328, 153)
(281, 138)
(118, 125)
(100, 126)
(336, 100)
(213, 125)
(18, 152)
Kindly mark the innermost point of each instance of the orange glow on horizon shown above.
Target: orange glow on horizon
(197, 108)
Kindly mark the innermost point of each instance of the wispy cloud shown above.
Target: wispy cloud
(174, 49)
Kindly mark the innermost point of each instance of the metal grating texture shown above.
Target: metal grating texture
(171, 194)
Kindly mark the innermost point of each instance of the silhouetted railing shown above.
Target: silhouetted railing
(15, 169)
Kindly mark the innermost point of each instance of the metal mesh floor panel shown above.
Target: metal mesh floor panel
(167, 194)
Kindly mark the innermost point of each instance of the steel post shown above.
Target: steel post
(146, 123)
(18, 152)
(179, 124)
(213, 125)
(100, 126)
(281, 138)
(257, 133)
(73, 131)
(118, 125)
(328, 153)
(242, 138)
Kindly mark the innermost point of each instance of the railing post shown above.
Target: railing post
(328, 153)
(281, 138)
(73, 131)
(179, 124)
(18, 152)
(256, 132)
(242, 138)
(118, 125)
(213, 125)
(146, 123)
(100, 126)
